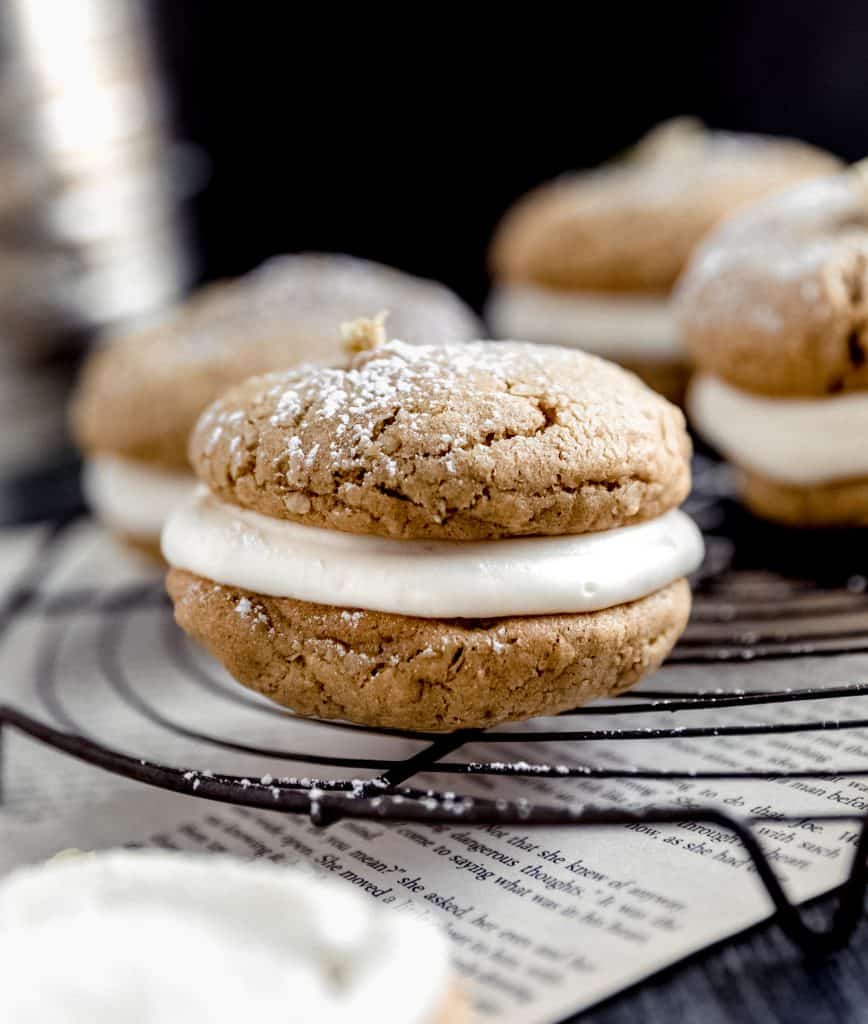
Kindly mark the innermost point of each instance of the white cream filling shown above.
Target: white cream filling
(133, 497)
(617, 326)
(800, 441)
(429, 579)
(164, 937)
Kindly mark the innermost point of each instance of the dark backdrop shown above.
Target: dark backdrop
(404, 138)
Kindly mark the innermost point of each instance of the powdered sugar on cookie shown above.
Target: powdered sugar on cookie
(462, 441)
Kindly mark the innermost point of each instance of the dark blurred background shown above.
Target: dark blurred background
(404, 139)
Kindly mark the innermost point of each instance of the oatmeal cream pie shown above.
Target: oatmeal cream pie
(139, 397)
(437, 537)
(774, 309)
(159, 937)
(590, 258)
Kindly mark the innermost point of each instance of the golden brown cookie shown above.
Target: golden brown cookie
(426, 448)
(140, 396)
(776, 301)
(774, 309)
(426, 674)
(461, 442)
(633, 224)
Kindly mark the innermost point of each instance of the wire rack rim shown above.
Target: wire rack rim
(207, 784)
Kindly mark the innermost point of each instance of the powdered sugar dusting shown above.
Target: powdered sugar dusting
(246, 609)
(358, 404)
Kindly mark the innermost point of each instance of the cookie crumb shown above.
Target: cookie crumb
(365, 334)
(676, 139)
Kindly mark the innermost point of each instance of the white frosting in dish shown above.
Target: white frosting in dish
(133, 497)
(164, 937)
(801, 441)
(429, 578)
(620, 326)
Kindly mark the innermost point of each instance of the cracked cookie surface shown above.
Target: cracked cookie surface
(435, 675)
(460, 442)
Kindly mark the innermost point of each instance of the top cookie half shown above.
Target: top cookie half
(776, 300)
(464, 442)
(632, 224)
(140, 397)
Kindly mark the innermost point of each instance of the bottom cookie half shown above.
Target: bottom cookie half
(436, 675)
(835, 504)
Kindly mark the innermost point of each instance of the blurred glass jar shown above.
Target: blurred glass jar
(92, 231)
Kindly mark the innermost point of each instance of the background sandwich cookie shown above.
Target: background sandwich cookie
(775, 312)
(167, 937)
(139, 398)
(589, 260)
(437, 537)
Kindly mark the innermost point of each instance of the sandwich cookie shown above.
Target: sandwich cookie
(139, 397)
(590, 259)
(437, 537)
(161, 937)
(775, 312)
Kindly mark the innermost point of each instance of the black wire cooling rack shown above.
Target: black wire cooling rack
(749, 606)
